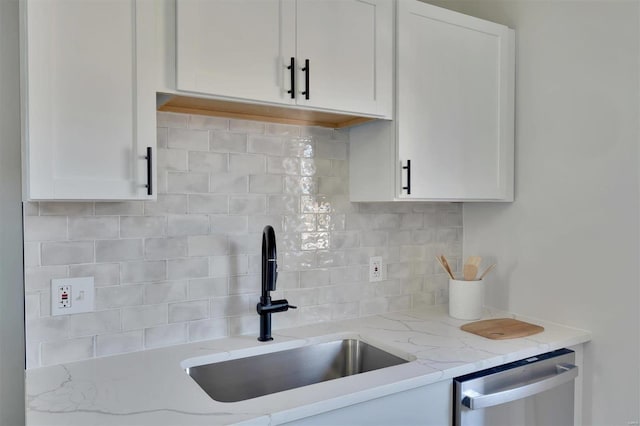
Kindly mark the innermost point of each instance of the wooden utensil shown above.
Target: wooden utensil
(469, 272)
(486, 271)
(474, 260)
(444, 267)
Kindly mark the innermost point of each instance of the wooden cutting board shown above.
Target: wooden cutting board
(502, 328)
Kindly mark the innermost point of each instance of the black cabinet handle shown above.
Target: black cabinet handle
(292, 68)
(306, 79)
(408, 169)
(149, 184)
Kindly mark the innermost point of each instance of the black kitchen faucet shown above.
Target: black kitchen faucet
(269, 276)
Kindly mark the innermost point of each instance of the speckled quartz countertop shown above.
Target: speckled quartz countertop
(152, 388)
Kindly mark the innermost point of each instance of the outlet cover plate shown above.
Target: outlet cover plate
(375, 269)
(80, 296)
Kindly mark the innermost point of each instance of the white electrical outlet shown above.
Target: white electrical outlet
(72, 295)
(375, 269)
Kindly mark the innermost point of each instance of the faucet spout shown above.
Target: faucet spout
(266, 306)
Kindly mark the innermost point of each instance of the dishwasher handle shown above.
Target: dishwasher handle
(564, 373)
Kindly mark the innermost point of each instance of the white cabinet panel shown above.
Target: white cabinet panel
(235, 48)
(454, 118)
(88, 104)
(242, 50)
(344, 41)
(429, 405)
(452, 81)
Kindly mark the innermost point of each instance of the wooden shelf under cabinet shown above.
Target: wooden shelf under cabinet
(268, 113)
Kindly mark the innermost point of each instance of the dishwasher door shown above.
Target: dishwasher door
(536, 391)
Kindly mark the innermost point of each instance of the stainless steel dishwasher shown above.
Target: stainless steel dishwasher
(536, 391)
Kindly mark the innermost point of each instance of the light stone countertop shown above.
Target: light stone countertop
(152, 388)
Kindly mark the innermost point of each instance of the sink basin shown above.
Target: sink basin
(250, 377)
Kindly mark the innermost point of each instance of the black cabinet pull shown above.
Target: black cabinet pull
(149, 184)
(292, 68)
(408, 169)
(306, 79)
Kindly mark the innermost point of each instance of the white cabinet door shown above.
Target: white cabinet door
(88, 98)
(348, 46)
(256, 50)
(454, 104)
(236, 48)
(429, 405)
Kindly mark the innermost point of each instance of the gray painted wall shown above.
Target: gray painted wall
(11, 275)
(568, 248)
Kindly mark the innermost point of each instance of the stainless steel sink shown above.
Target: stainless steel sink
(254, 376)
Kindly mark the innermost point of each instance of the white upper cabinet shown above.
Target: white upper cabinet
(88, 99)
(234, 48)
(453, 134)
(324, 55)
(348, 45)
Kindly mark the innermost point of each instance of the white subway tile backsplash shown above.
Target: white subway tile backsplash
(66, 253)
(32, 306)
(66, 209)
(188, 139)
(118, 343)
(188, 311)
(31, 254)
(45, 228)
(208, 245)
(265, 184)
(142, 226)
(208, 287)
(187, 225)
(136, 272)
(162, 137)
(281, 130)
(118, 250)
(225, 266)
(165, 248)
(208, 162)
(247, 205)
(224, 224)
(140, 317)
(270, 145)
(93, 228)
(39, 278)
(208, 203)
(118, 296)
(104, 274)
(244, 126)
(172, 159)
(208, 123)
(67, 350)
(283, 165)
(300, 185)
(207, 329)
(178, 182)
(171, 119)
(187, 266)
(92, 323)
(196, 267)
(164, 292)
(228, 183)
(47, 329)
(132, 208)
(166, 204)
(247, 164)
(165, 335)
(30, 208)
(228, 142)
